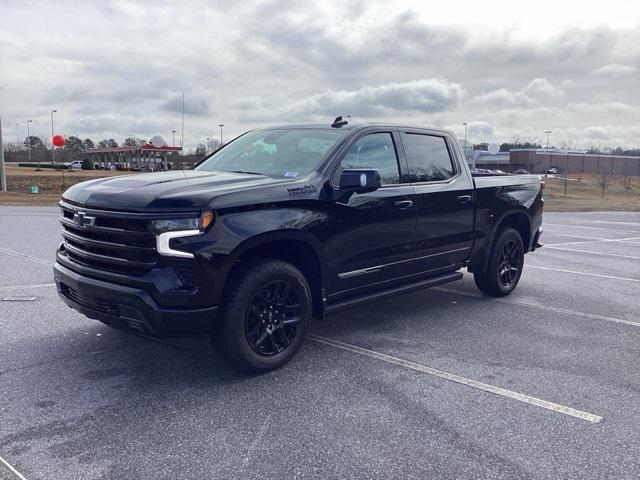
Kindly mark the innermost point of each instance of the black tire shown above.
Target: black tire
(504, 268)
(257, 330)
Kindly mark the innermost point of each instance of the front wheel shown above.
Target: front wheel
(265, 315)
(505, 265)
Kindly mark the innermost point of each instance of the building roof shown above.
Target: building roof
(147, 147)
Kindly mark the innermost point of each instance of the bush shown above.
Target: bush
(42, 165)
(87, 164)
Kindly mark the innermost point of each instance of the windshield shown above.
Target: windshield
(276, 153)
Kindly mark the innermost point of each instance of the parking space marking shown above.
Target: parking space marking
(554, 247)
(594, 228)
(574, 272)
(622, 240)
(24, 255)
(616, 223)
(541, 307)
(37, 285)
(572, 412)
(12, 470)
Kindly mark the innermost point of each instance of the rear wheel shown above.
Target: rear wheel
(265, 315)
(505, 265)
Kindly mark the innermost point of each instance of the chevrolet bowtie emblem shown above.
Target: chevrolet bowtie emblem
(82, 220)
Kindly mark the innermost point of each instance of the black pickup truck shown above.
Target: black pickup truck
(286, 224)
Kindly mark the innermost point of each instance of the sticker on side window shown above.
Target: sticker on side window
(291, 174)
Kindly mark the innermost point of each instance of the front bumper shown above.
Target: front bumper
(128, 308)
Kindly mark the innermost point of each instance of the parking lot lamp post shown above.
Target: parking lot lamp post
(548, 132)
(466, 157)
(29, 139)
(221, 125)
(173, 142)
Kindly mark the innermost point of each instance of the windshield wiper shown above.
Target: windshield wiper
(245, 171)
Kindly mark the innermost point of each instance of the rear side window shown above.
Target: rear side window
(375, 150)
(428, 158)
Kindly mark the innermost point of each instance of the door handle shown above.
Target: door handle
(403, 204)
(464, 198)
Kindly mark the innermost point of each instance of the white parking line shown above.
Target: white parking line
(12, 470)
(24, 255)
(37, 285)
(585, 226)
(589, 417)
(554, 247)
(616, 223)
(547, 308)
(626, 279)
(622, 240)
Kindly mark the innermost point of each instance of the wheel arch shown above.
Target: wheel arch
(295, 247)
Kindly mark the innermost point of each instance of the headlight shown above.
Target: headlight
(167, 230)
(201, 223)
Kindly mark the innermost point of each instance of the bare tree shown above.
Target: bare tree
(603, 182)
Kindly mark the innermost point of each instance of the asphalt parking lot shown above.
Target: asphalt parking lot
(443, 383)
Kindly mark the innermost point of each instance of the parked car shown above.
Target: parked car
(286, 224)
(553, 171)
(75, 164)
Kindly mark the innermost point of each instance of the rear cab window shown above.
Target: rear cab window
(428, 158)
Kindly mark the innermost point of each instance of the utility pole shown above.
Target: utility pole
(53, 147)
(17, 134)
(173, 143)
(182, 136)
(3, 177)
(221, 125)
(548, 132)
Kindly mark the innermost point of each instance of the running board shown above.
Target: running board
(431, 282)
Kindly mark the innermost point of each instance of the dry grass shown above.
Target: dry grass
(584, 194)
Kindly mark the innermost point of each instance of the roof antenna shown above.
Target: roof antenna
(339, 122)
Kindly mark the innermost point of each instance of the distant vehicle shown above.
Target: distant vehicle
(521, 171)
(75, 164)
(286, 224)
(553, 170)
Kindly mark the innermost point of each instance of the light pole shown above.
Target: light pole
(207, 146)
(221, 125)
(466, 157)
(53, 147)
(548, 132)
(29, 140)
(17, 134)
(173, 142)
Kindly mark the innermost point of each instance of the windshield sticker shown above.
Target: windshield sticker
(291, 174)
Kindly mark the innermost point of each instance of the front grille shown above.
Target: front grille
(117, 242)
(112, 242)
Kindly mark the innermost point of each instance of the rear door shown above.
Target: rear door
(444, 199)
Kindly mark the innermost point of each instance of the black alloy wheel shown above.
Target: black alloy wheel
(504, 266)
(264, 316)
(510, 263)
(272, 318)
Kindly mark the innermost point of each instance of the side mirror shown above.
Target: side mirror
(360, 180)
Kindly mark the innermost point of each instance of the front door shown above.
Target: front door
(370, 233)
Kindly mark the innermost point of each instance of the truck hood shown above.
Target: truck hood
(183, 190)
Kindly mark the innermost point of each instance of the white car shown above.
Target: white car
(75, 164)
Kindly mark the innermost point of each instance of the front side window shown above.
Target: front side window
(428, 158)
(376, 151)
(276, 153)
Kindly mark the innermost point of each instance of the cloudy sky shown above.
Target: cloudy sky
(116, 68)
